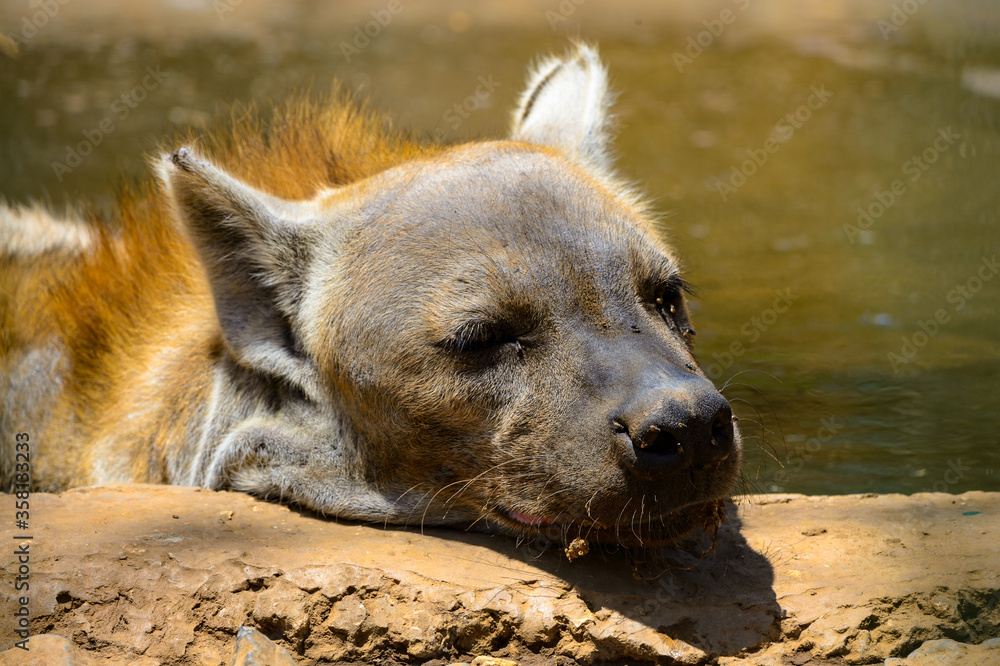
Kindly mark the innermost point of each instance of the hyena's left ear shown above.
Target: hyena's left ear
(255, 249)
(565, 105)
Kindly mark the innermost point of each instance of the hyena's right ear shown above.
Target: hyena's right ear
(255, 248)
(565, 105)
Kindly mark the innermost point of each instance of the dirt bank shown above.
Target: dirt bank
(166, 575)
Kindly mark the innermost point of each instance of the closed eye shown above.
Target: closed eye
(666, 298)
(667, 295)
(482, 337)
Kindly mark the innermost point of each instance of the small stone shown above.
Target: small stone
(577, 548)
(347, 616)
(255, 649)
(953, 653)
(493, 661)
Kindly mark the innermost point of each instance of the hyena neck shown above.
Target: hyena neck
(225, 437)
(262, 436)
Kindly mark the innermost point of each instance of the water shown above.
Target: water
(844, 257)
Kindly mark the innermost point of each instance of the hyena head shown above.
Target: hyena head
(492, 336)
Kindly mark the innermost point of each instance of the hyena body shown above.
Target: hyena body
(330, 314)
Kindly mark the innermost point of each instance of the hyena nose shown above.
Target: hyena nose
(677, 436)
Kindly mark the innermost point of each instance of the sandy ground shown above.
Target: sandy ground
(167, 575)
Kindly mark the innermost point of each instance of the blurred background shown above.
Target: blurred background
(827, 170)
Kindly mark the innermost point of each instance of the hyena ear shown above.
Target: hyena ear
(255, 248)
(565, 105)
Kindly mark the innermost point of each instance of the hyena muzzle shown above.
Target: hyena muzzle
(331, 314)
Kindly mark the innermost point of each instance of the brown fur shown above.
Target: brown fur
(113, 307)
(323, 310)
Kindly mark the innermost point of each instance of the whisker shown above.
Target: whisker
(729, 381)
(642, 509)
(619, 521)
(406, 492)
(762, 395)
(593, 521)
(466, 483)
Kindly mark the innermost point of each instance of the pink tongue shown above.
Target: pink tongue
(527, 519)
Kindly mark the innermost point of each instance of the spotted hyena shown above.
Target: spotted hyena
(332, 314)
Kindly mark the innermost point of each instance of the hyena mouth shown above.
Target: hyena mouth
(651, 528)
(522, 519)
(526, 519)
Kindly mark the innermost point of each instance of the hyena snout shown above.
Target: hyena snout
(665, 431)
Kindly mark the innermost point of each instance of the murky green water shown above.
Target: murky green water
(862, 347)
